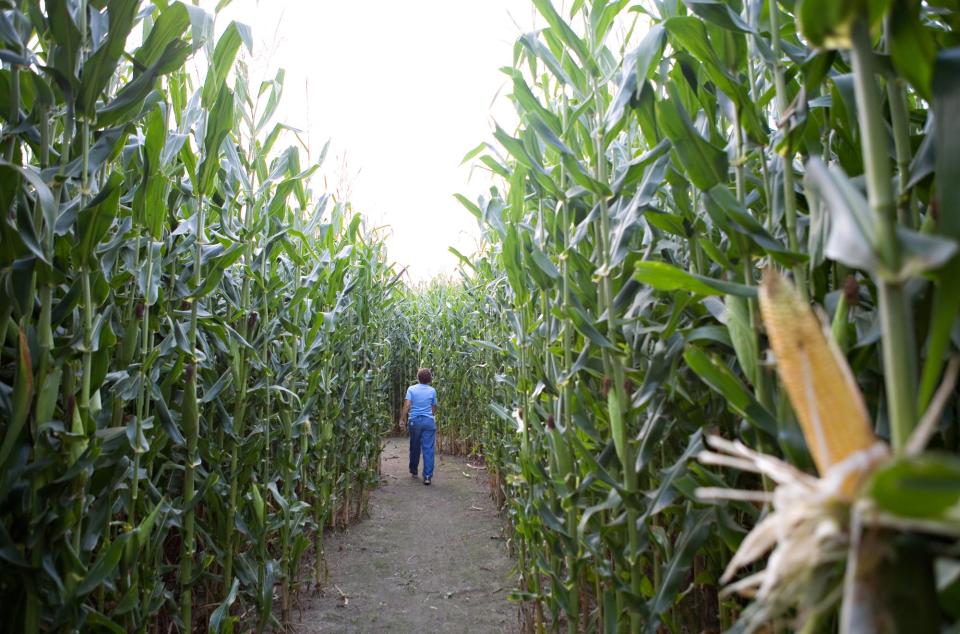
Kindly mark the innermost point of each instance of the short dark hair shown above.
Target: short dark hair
(424, 375)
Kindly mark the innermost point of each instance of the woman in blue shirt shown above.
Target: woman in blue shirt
(419, 413)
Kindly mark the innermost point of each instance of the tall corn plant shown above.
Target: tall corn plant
(667, 152)
(177, 305)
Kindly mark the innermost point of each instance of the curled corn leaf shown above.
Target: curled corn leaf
(816, 376)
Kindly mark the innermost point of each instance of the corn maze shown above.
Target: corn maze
(707, 349)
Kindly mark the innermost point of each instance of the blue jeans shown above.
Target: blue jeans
(423, 430)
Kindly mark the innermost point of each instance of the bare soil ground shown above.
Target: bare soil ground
(428, 559)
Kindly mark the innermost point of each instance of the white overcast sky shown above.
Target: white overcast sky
(403, 90)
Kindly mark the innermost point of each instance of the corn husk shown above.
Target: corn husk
(816, 376)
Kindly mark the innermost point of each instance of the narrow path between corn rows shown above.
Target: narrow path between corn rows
(428, 559)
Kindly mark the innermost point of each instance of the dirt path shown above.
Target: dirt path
(426, 560)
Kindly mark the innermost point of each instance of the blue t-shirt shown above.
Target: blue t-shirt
(422, 398)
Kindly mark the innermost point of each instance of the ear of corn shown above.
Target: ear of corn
(821, 387)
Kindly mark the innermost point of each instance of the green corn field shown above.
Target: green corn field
(707, 349)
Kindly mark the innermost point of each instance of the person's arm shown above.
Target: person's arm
(404, 414)
(433, 407)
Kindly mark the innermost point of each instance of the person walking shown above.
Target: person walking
(419, 414)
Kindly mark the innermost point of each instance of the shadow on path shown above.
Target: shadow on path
(428, 559)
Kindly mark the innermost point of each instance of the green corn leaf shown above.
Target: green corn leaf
(100, 67)
(530, 103)
(105, 565)
(219, 123)
(705, 164)
(129, 100)
(223, 57)
(695, 531)
(563, 31)
(718, 13)
(742, 336)
(148, 201)
(584, 324)
(45, 200)
(912, 49)
(169, 27)
(220, 620)
(922, 487)
(95, 220)
(105, 148)
(692, 36)
(67, 38)
(146, 527)
(214, 272)
(661, 498)
(665, 277)
(537, 49)
(722, 200)
(472, 154)
(516, 149)
(103, 622)
(276, 90)
(636, 67)
(724, 382)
